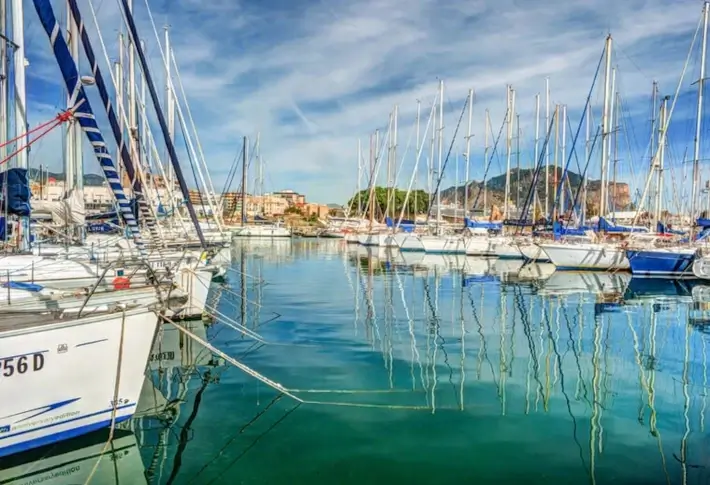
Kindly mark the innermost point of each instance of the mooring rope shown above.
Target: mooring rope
(290, 392)
(114, 406)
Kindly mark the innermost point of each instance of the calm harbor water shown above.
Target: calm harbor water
(415, 369)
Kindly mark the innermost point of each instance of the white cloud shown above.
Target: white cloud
(313, 78)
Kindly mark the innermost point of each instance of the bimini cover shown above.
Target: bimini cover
(15, 192)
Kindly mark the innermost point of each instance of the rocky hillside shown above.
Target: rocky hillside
(520, 184)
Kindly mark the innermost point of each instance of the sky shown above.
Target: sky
(313, 78)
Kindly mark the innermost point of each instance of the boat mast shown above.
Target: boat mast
(260, 173)
(3, 79)
(359, 178)
(587, 139)
(170, 110)
(74, 176)
(547, 148)
(245, 149)
(120, 91)
(698, 121)
(416, 200)
(371, 197)
(441, 151)
(612, 136)
(132, 115)
(485, 160)
(430, 175)
(605, 129)
(661, 155)
(510, 94)
(615, 158)
(563, 148)
(537, 149)
(394, 165)
(18, 57)
(468, 153)
(517, 161)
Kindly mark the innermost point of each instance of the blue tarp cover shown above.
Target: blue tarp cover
(17, 285)
(18, 192)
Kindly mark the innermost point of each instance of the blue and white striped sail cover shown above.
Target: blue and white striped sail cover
(146, 215)
(85, 117)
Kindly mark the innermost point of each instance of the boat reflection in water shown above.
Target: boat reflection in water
(91, 458)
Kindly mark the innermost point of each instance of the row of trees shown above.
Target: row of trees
(417, 202)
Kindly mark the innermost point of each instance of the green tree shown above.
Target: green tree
(417, 202)
(293, 210)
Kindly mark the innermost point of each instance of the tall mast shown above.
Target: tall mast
(537, 148)
(169, 107)
(517, 161)
(612, 114)
(485, 161)
(394, 162)
(563, 147)
(587, 139)
(371, 201)
(605, 129)
(441, 150)
(260, 170)
(18, 35)
(555, 202)
(3, 80)
(416, 199)
(547, 147)
(245, 149)
(120, 91)
(698, 121)
(359, 178)
(132, 116)
(661, 155)
(508, 142)
(615, 158)
(431, 159)
(468, 153)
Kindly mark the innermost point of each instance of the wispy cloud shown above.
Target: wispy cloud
(313, 77)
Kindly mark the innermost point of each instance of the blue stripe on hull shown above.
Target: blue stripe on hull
(60, 436)
(588, 269)
(661, 264)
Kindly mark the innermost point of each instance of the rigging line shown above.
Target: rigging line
(253, 443)
(446, 161)
(233, 438)
(128, 17)
(579, 129)
(481, 187)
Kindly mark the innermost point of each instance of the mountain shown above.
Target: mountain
(520, 182)
(90, 179)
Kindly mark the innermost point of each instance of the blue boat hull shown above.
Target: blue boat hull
(660, 264)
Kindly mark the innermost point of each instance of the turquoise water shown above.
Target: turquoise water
(415, 369)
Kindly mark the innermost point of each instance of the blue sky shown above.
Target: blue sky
(313, 77)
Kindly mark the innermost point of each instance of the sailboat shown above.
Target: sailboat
(670, 258)
(589, 252)
(261, 229)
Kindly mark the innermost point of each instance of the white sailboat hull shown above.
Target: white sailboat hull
(479, 246)
(265, 230)
(62, 376)
(443, 244)
(504, 247)
(589, 256)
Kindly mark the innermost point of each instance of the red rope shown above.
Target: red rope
(50, 125)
